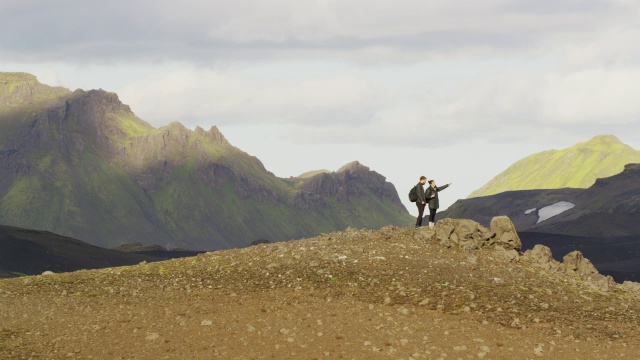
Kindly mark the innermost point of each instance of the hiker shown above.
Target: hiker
(432, 197)
(422, 200)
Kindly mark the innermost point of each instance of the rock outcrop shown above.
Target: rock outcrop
(504, 242)
(351, 181)
(470, 235)
(541, 257)
(573, 264)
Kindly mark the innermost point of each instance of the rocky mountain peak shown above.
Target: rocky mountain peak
(17, 88)
(103, 97)
(213, 134)
(353, 166)
(604, 139)
(17, 77)
(310, 174)
(351, 181)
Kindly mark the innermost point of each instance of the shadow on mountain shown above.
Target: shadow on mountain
(31, 252)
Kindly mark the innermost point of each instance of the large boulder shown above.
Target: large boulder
(632, 287)
(470, 235)
(542, 257)
(506, 235)
(575, 263)
(463, 233)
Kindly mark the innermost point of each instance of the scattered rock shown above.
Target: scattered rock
(280, 301)
(538, 350)
(632, 287)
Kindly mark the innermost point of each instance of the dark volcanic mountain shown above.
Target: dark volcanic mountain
(611, 207)
(31, 252)
(82, 164)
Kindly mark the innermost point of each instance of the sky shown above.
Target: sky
(453, 90)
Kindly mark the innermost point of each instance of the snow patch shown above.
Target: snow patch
(530, 211)
(553, 210)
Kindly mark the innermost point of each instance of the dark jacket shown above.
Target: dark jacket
(421, 196)
(434, 203)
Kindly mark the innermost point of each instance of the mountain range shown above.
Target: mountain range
(82, 164)
(575, 167)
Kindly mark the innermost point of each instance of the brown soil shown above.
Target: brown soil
(358, 294)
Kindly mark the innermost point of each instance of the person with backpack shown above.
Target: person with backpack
(432, 195)
(417, 195)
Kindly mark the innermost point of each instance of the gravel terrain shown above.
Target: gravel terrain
(395, 293)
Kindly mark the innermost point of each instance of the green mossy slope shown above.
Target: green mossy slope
(83, 165)
(576, 167)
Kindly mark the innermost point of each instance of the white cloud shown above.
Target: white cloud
(204, 31)
(329, 105)
(197, 96)
(594, 96)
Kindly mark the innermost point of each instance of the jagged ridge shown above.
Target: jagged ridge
(83, 165)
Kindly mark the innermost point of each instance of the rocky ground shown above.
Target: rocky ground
(460, 292)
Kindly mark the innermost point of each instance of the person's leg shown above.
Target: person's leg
(432, 218)
(420, 213)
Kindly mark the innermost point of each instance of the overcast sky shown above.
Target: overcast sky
(454, 90)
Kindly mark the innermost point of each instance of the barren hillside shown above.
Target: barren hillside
(460, 292)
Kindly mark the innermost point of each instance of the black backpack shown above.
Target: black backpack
(413, 194)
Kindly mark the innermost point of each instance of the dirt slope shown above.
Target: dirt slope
(396, 293)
